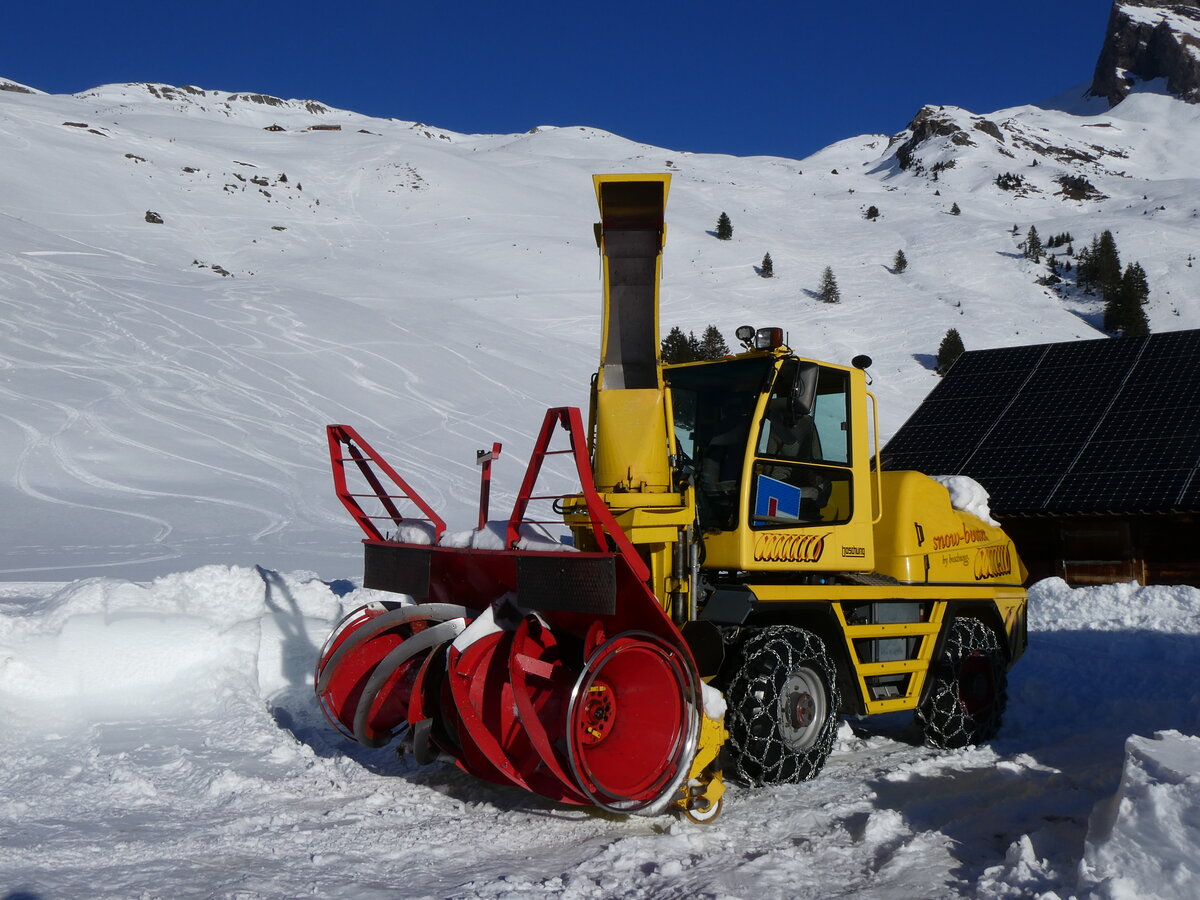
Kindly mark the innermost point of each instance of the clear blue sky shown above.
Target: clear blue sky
(777, 78)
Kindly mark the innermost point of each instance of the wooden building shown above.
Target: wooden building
(1090, 451)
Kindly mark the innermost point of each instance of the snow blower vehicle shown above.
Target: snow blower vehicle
(739, 575)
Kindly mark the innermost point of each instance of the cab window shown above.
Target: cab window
(801, 472)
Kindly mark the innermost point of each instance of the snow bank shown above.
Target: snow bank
(1104, 663)
(1055, 606)
(103, 647)
(1105, 666)
(1145, 842)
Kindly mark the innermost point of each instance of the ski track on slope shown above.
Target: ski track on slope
(118, 394)
(174, 397)
(25, 462)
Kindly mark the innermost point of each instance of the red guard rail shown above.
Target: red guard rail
(365, 458)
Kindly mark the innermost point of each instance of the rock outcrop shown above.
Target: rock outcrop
(1148, 40)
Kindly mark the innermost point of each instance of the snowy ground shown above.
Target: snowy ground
(161, 740)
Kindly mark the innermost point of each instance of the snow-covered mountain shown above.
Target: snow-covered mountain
(194, 282)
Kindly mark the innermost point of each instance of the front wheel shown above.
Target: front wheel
(969, 688)
(783, 707)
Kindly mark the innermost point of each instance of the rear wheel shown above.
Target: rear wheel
(783, 707)
(969, 688)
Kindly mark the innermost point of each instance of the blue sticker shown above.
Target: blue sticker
(776, 499)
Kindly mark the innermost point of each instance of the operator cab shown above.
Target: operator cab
(791, 415)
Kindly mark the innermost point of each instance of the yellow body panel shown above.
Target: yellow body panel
(922, 539)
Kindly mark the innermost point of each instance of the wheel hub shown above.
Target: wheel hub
(599, 711)
(802, 709)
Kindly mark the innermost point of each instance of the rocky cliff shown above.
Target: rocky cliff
(1147, 41)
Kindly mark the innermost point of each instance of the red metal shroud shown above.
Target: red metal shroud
(557, 672)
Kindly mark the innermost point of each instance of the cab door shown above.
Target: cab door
(807, 483)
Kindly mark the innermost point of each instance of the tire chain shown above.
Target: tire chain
(758, 753)
(946, 723)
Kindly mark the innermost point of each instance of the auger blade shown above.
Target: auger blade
(352, 656)
(403, 660)
(494, 738)
(541, 689)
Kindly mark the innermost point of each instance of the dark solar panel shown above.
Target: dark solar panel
(1085, 426)
(1124, 456)
(1147, 423)
(979, 384)
(1116, 492)
(1018, 492)
(1016, 430)
(1189, 497)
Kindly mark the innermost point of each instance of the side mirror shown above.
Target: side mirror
(804, 390)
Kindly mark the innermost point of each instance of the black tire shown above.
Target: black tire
(783, 706)
(968, 689)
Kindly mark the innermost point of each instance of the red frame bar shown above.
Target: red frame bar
(484, 459)
(603, 522)
(363, 455)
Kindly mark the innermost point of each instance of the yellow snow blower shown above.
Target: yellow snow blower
(738, 575)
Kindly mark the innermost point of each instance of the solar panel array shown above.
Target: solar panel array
(1089, 426)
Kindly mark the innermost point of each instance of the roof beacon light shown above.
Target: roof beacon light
(768, 338)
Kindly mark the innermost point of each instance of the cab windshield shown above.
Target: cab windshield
(714, 408)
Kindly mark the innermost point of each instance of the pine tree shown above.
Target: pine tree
(900, 263)
(1107, 262)
(712, 344)
(1033, 245)
(1098, 267)
(951, 349)
(828, 290)
(954, 210)
(675, 347)
(1114, 309)
(724, 228)
(1123, 311)
(872, 212)
(767, 270)
(1083, 271)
